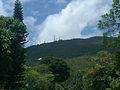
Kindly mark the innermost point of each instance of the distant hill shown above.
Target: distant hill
(66, 48)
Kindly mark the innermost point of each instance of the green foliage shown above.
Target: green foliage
(110, 24)
(18, 13)
(5, 51)
(75, 81)
(101, 75)
(80, 63)
(110, 21)
(12, 54)
(42, 69)
(39, 78)
(59, 87)
(98, 72)
(78, 66)
(90, 72)
(104, 58)
(58, 67)
(115, 84)
(17, 52)
(66, 48)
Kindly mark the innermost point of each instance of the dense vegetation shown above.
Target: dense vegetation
(12, 54)
(85, 64)
(67, 48)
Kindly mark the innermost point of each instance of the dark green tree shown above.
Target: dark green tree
(16, 59)
(101, 74)
(5, 41)
(18, 28)
(18, 55)
(58, 67)
(12, 53)
(18, 12)
(110, 24)
(39, 78)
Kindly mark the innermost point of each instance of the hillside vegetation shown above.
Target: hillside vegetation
(66, 48)
(77, 64)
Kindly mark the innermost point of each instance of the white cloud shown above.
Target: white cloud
(71, 21)
(68, 23)
(30, 22)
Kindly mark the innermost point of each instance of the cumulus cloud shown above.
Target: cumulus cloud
(69, 23)
(30, 22)
(72, 20)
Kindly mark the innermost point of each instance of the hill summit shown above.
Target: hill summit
(66, 48)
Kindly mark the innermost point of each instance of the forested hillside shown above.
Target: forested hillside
(76, 64)
(66, 48)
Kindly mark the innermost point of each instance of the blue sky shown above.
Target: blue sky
(42, 8)
(65, 19)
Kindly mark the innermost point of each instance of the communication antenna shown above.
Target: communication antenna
(54, 38)
(59, 39)
(44, 41)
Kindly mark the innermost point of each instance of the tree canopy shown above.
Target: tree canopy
(58, 67)
(18, 12)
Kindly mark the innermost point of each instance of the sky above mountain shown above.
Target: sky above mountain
(60, 19)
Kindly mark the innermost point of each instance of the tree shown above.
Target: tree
(5, 51)
(18, 28)
(101, 75)
(115, 84)
(18, 12)
(12, 53)
(17, 53)
(39, 78)
(75, 81)
(110, 24)
(58, 67)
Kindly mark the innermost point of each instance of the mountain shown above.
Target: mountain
(66, 48)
